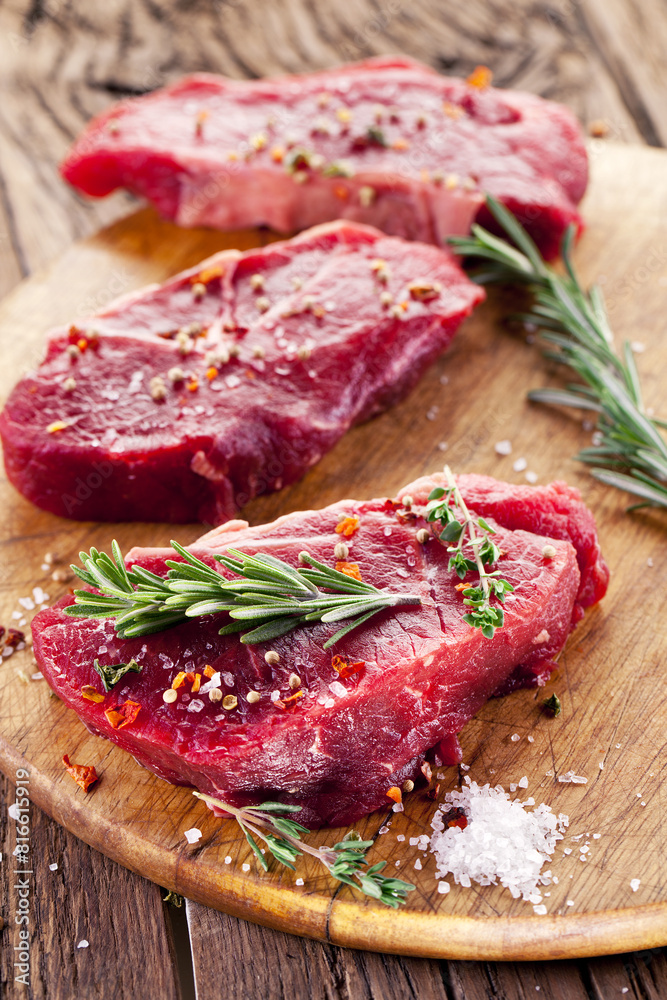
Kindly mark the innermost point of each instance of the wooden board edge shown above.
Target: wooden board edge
(336, 921)
(181, 872)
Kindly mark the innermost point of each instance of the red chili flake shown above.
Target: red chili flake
(211, 373)
(123, 715)
(289, 702)
(344, 668)
(82, 344)
(462, 586)
(347, 526)
(179, 680)
(395, 793)
(349, 569)
(455, 817)
(452, 110)
(208, 670)
(193, 385)
(480, 77)
(433, 793)
(341, 192)
(199, 121)
(14, 637)
(91, 693)
(83, 774)
(427, 771)
(195, 684)
(208, 274)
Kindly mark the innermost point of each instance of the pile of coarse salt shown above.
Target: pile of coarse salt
(503, 842)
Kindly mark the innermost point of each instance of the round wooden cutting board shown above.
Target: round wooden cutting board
(611, 678)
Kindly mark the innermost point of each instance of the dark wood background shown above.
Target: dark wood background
(60, 62)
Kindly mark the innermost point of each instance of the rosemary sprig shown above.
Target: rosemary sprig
(631, 454)
(447, 506)
(266, 593)
(345, 861)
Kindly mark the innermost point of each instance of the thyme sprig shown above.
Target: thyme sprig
(631, 453)
(345, 861)
(266, 593)
(447, 506)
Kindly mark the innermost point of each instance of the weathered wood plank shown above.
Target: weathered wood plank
(255, 963)
(86, 898)
(59, 65)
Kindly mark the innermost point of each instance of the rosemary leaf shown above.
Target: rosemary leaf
(266, 593)
(632, 454)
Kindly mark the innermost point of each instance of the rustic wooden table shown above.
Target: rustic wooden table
(60, 62)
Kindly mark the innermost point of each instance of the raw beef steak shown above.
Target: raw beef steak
(335, 743)
(388, 142)
(182, 402)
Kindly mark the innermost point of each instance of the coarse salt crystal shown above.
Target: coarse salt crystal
(329, 703)
(338, 689)
(540, 910)
(531, 739)
(515, 737)
(443, 446)
(465, 767)
(523, 782)
(397, 807)
(211, 683)
(520, 465)
(299, 881)
(245, 867)
(443, 887)
(503, 447)
(228, 860)
(400, 837)
(39, 596)
(27, 603)
(502, 842)
(649, 561)
(531, 477)
(383, 829)
(570, 902)
(82, 944)
(193, 835)
(571, 778)
(54, 866)
(418, 865)
(275, 696)
(16, 614)
(195, 705)
(634, 884)
(638, 347)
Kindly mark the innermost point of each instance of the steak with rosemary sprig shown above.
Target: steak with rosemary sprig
(183, 401)
(336, 730)
(387, 142)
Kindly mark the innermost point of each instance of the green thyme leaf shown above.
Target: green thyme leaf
(552, 705)
(113, 672)
(345, 861)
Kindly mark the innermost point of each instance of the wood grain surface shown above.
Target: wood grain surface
(609, 681)
(61, 61)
